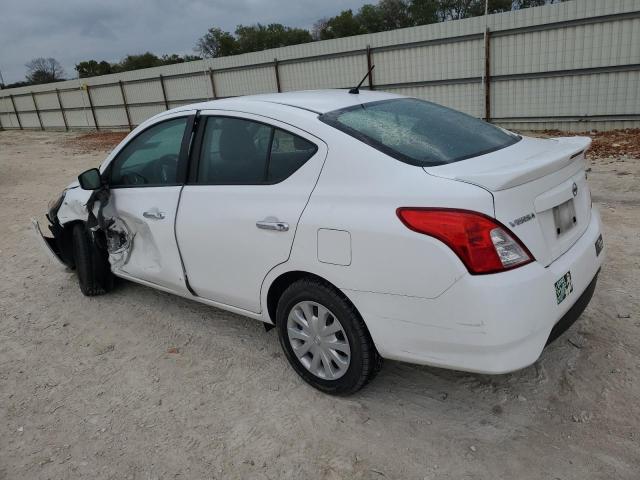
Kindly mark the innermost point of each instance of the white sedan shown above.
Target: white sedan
(361, 225)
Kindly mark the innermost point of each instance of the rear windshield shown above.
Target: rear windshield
(418, 132)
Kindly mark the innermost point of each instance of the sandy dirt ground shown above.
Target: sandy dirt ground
(140, 384)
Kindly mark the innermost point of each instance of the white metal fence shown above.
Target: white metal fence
(571, 66)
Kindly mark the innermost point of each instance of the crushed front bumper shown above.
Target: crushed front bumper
(49, 244)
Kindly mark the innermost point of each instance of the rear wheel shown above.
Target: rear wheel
(92, 264)
(324, 338)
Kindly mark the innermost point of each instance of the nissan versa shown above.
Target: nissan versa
(362, 225)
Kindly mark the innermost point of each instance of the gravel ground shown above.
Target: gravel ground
(139, 384)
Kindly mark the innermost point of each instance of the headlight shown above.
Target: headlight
(54, 206)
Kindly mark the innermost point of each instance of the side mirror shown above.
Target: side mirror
(90, 179)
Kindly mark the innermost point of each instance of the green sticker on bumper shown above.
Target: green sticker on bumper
(564, 287)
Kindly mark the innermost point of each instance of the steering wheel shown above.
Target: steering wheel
(133, 178)
(162, 170)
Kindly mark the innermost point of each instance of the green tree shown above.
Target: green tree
(395, 14)
(258, 37)
(138, 61)
(92, 68)
(216, 43)
(458, 9)
(518, 4)
(423, 12)
(370, 18)
(343, 25)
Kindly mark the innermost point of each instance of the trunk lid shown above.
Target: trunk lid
(539, 188)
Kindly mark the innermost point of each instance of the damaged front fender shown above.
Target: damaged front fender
(108, 232)
(119, 241)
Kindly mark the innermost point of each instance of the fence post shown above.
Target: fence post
(487, 75)
(213, 84)
(126, 107)
(164, 92)
(275, 66)
(13, 102)
(35, 105)
(64, 115)
(93, 110)
(369, 63)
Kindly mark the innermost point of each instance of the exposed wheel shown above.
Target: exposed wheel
(324, 338)
(92, 264)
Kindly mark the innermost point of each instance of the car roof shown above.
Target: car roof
(316, 101)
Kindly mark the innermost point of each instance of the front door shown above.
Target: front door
(237, 218)
(145, 183)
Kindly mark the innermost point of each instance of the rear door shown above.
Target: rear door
(250, 180)
(145, 179)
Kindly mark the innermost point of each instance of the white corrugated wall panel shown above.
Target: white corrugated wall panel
(24, 102)
(74, 99)
(187, 88)
(9, 120)
(143, 92)
(431, 62)
(106, 95)
(111, 117)
(52, 119)
(29, 120)
(578, 95)
(47, 101)
(139, 113)
(245, 82)
(584, 125)
(584, 46)
(337, 72)
(5, 105)
(79, 118)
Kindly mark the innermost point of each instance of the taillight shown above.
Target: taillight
(482, 243)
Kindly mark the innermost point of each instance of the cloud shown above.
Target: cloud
(76, 30)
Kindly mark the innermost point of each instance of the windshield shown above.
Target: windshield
(418, 132)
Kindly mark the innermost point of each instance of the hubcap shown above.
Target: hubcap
(318, 340)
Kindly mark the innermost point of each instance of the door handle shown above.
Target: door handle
(277, 226)
(153, 215)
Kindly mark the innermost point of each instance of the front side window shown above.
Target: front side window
(151, 158)
(418, 132)
(237, 151)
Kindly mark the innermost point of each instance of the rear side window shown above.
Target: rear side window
(288, 153)
(418, 132)
(237, 151)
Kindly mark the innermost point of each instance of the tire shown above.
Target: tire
(92, 264)
(331, 306)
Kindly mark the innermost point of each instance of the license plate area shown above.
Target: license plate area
(564, 217)
(564, 286)
(599, 245)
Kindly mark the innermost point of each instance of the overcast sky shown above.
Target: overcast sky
(75, 30)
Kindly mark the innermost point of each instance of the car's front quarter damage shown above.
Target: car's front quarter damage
(76, 205)
(65, 210)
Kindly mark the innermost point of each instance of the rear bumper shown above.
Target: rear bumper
(489, 323)
(574, 312)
